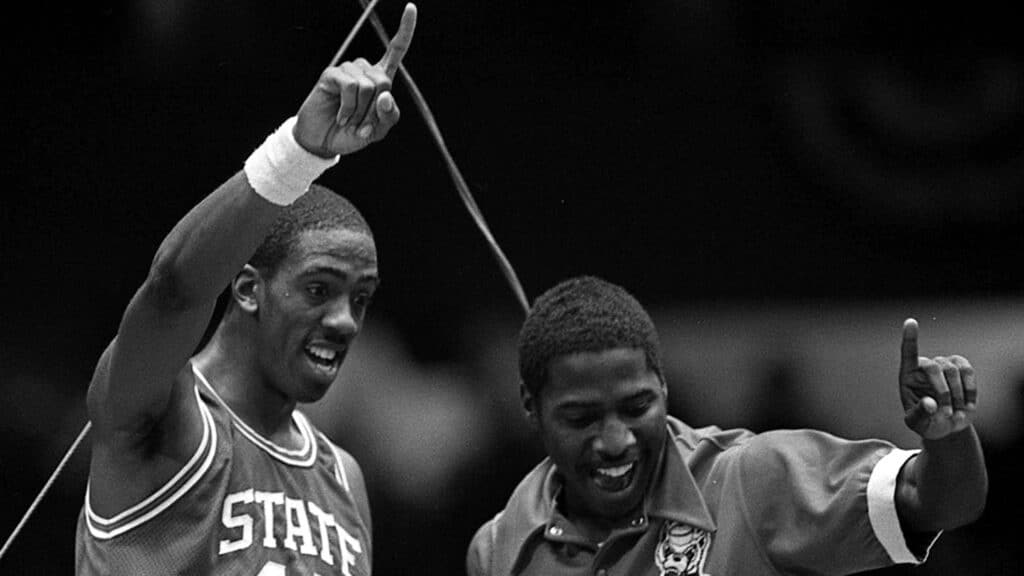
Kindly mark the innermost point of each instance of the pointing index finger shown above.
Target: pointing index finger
(399, 44)
(908, 349)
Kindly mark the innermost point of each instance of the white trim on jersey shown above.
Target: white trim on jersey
(157, 502)
(339, 467)
(303, 457)
(882, 507)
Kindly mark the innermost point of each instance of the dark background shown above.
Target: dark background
(690, 151)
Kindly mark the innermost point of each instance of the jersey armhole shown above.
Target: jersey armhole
(105, 528)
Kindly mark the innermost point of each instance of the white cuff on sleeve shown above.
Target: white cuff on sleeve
(882, 507)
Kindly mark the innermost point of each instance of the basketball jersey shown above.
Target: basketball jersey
(241, 505)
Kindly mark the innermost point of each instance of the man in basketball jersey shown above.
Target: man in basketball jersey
(627, 489)
(201, 463)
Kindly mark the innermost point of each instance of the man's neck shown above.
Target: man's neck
(233, 374)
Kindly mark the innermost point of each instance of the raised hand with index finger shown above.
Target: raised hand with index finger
(939, 394)
(351, 104)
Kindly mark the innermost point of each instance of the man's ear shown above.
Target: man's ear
(245, 289)
(530, 404)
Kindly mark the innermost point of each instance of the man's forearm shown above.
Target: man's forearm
(945, 486)
(212, 242)
(209, 245)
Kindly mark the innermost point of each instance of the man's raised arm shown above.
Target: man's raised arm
(350, 107)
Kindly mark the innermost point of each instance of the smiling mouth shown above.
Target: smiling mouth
(326, 359)
(614, 478)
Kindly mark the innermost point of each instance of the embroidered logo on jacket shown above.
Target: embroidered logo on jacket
(682, 550)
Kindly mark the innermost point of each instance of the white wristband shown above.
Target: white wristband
(281, 170)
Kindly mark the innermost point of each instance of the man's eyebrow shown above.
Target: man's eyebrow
(582, 404)
(339, 274)
(577, 405)
(639, 395)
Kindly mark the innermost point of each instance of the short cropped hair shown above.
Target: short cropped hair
(583, 314)
(318, 209)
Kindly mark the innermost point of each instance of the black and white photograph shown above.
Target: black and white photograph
(669, 288)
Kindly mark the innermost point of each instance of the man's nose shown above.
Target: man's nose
(340, 319)
(614, 439)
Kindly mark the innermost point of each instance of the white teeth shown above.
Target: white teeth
(616, 471)
(325, 354)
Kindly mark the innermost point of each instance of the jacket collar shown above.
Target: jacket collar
(675, 495)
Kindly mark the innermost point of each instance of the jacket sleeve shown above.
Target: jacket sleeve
(478, 557)
(822, 503)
